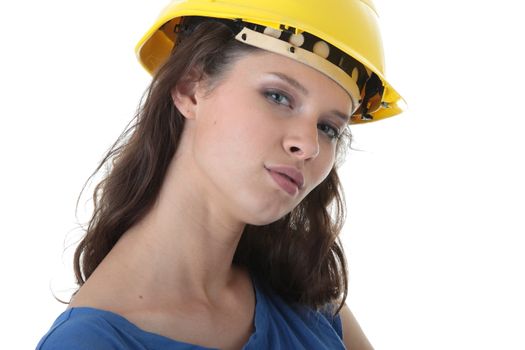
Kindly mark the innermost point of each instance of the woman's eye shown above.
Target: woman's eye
(330, 131)
(278, 97)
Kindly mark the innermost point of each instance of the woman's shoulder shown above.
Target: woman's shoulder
(88, 328)
(353, 335)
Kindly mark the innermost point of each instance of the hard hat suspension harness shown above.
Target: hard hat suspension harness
(363, 85)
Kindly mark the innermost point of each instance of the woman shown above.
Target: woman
(216, 225)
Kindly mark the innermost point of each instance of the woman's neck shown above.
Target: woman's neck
(183, 248)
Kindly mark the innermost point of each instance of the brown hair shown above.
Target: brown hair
(299, 256)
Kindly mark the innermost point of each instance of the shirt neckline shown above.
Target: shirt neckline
(259, 320)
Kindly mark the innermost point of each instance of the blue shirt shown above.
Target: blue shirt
(278, 325)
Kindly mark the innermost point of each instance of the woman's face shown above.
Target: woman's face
(265, 136)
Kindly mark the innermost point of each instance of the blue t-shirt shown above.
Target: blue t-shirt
(278, 325)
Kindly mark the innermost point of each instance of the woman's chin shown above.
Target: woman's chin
(266, 218)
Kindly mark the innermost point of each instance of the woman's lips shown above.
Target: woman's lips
(288, 178)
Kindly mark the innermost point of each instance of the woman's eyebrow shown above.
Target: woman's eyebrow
(344, 117)
(291, 81)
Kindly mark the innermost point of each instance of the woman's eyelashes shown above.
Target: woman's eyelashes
(332, 132)
(283, 99)
(279, 98)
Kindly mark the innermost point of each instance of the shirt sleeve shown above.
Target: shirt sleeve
(81, 334)
(334, 319)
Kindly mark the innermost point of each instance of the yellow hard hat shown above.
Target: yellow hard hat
(340, 38)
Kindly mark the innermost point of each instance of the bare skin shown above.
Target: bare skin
(172, 273)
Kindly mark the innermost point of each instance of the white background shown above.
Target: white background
(434, 236)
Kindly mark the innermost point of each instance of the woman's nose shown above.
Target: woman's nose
(302, 141)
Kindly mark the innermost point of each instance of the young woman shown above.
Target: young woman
(217, 223)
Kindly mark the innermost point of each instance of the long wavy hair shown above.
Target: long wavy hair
(300, 256)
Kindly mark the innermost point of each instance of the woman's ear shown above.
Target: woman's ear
(184, 94)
